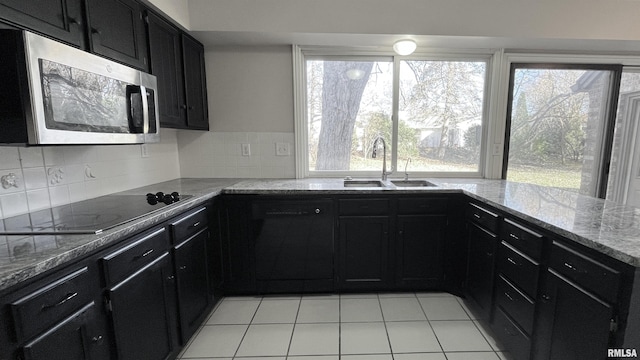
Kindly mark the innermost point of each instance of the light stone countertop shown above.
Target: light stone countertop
(605, 226)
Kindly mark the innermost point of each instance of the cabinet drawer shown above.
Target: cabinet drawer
(483, 217)
(521, 270)
(44, 307)
(509, 334)
(363, 206)
(422, 206)
(523, 239)
(586, 272)
(515, 303)
(123, 262)
(189, 224)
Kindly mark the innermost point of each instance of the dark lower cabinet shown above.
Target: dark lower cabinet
(142, 312)
(364, 253)
(419, 251)
(480, 269)
(61, 19)
(74, 338)
(117, 31)
(573, 324)
(192, 283)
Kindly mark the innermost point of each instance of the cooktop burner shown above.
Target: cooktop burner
(86, 217)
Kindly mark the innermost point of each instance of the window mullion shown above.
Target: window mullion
(394, 112)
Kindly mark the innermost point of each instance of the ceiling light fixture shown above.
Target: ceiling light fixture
(404, 47)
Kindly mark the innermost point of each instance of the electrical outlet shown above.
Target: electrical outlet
(497, 148)
(246, 149)
(144, 150)
(282, 149)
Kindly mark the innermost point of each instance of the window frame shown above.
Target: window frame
(302, 54)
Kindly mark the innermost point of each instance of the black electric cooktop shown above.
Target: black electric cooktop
(86, 217)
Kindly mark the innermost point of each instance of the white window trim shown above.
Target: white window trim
(300, 53)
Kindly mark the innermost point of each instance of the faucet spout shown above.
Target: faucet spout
(384, 156)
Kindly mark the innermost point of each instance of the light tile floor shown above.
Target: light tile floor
(401, 326)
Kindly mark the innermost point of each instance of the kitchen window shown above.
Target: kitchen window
(429, 110)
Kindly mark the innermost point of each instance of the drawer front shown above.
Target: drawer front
(123, 262)
(189, 224)
(586, 272)
(44, 307)
(508, 333)
(515, 303)
(483, 217)
(521, 270)
(422, 206)
(523, 239)
(363, 206)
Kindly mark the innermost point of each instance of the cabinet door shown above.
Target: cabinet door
(195, 84)
(117, 31)
(192, 283)
(61, 19)
(480, 269)
(364, 253)
(165, 60)
(419, 251)
(141, 312)
(573, 325)
(76, 333)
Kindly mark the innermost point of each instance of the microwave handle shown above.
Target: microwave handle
(145, 110)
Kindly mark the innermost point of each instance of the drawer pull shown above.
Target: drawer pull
(513, 236)
(183, 267)
(512, 261)
(508, 296)
(67, 297)
(573, 268)
(546, 297)
(144, 254)
(476, 216)
(195, 224)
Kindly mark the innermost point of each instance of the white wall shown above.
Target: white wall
(57, 175)
(553, 19)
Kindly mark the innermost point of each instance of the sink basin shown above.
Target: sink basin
(412, 183)
(363, 183)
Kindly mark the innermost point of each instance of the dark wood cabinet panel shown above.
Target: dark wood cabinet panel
(419, 254)
(142, 314)
(192, 283)
(364, 253)
(60, 19)
(573, 324)
(117, 31)
(480, 269)
(165, 60)
(195, 84)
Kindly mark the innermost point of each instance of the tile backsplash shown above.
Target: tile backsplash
(33, 178)
(236, 154)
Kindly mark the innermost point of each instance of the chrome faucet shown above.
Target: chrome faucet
(406, 174)
(384, 156)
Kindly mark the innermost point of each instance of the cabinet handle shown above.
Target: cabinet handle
(171, 277)
(489, 254)
(97, 339)
(183, 106)
(183, 267)
(508, 296)
(144, 254)
(195, 224)
(573, 268)
(317, 211)
(512, 261)
(73, 20)
(67, 297)
(476, 216)
(96, 31)
(513, 236)
(545, 297)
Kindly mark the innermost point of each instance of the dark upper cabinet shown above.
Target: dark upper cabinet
(60, 19)
(573, 324)
(117, 31)
(195, 84)
(165, 58)
(192, 282)
(419, 251)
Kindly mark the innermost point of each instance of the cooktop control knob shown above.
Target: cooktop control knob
(152, 199)
(168, 199)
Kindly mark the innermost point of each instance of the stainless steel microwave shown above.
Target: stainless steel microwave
(53, 94)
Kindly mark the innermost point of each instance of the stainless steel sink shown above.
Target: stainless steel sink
(363, 183)
(412, 183)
